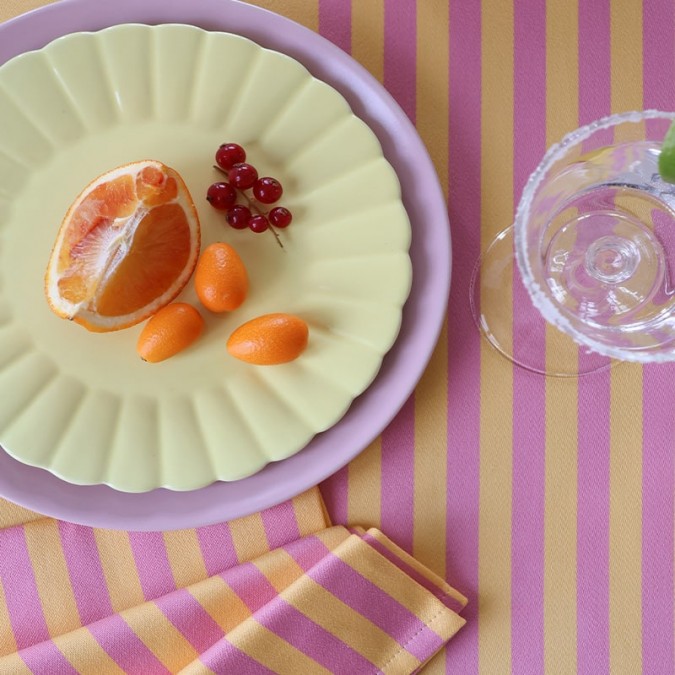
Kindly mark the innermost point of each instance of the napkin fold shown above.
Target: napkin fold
(281, 591)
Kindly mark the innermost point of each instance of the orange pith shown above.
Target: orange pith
(269, 340)
(126, 248)
(170, 331)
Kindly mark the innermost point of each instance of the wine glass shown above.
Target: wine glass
(594, 240)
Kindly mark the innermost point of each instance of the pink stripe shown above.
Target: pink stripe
(152, 563)
(307, 552)
(658, 485)
(398, 471)
(594, 394)
(400, 53)
(271, 611)
(21, 594)
(398, 440)
(593, 525)
(46, 658)
(251, 585)
(281, 525)
(191, 619)
(658, 30)
(125, 648)
(335, 22)
(346, 584)
(309, 638)
(464, 342)
(447, 600)
(224, 657)
(86, 574)
(529, 390)
(335, 493)
(658, 467)
(215, 542)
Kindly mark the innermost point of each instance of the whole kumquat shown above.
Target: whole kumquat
(221, 280)
(173, 329)
(269, 340)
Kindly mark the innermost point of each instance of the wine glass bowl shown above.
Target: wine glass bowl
(594, 240)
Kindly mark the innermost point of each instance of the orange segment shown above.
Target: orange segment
(269, 340)
(126, 248)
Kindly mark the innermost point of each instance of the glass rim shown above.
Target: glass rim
(537, 295)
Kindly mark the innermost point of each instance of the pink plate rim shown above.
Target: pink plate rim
(423, 314)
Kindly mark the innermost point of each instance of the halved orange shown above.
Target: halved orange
(126, 248)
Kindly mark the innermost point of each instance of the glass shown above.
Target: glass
(594, 240)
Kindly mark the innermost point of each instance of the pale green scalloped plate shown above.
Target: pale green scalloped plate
(83, 405)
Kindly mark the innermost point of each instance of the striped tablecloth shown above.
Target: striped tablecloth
(548, 502)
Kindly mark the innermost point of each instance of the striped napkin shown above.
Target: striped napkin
(280, 591)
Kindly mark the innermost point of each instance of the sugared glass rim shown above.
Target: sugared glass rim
(539, 298)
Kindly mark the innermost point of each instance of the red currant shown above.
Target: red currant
(238, 217)
(267, 190)
(229, 154)
(243, 176)
(221, 196)
(280, 217)
(258, 224)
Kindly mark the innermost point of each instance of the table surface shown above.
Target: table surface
(548, 502)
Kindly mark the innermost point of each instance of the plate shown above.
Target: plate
(84, 406)
(422, 317)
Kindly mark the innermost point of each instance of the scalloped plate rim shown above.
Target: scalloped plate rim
(258, 460)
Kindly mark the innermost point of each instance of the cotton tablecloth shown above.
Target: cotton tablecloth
(549, 502)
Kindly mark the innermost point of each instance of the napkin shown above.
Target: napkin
(281, 591)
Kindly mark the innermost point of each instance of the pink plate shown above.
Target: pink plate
(100, 505)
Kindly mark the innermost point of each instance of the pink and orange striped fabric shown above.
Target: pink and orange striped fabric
(277, 592)
(548, 502)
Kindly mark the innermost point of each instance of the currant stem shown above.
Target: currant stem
(253, 205)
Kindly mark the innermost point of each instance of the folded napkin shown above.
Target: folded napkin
(280, 591)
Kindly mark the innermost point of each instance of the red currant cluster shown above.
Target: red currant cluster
(242, 177)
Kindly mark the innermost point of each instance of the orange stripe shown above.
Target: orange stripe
(310, 512)
(393, 581)
(324, 609)
(119, 569)
(197, 668)
(13, 664)
(496, 420)
(364, 484)
(625, 498)
(273, 651)
(12, 8)
(306, 12)
(185, 558)
(560, 508)
(85, 654)
(368, 35)
(160, 636)
(249, 537)
(221, 603)
(279, 569)
(419, 567)
(11, 515)
(51, 577)
(364, 497)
